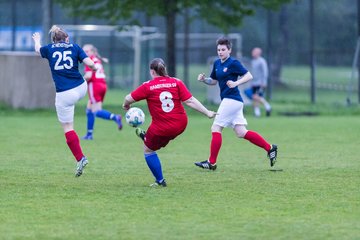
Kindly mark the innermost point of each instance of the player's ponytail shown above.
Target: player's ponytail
(97, 54)
(57, 34)
(158, 65)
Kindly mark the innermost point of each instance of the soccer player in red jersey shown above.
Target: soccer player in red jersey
(96, 90)
(64, 58)
(164, 96)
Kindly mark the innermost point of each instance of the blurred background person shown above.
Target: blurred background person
(97, 88)
(260, 72)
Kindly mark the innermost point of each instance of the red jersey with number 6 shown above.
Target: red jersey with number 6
(164, 96)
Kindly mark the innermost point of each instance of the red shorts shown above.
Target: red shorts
(155, 142)
(97, 91)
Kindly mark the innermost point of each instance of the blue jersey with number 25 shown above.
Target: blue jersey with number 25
(64, 61)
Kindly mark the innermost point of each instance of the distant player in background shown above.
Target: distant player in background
(164, 96)
(225, 72)
(96, 90)
(260, 72)
(64, 58)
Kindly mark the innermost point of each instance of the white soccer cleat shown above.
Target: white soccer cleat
(80, 166)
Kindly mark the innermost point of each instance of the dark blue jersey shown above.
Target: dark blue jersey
(231, 69)
(64, 61)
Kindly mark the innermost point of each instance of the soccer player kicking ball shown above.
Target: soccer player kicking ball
(225, 72)
(64, 58)
(164, 96)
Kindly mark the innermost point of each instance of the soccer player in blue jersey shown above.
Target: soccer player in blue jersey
(226, 72)
(64, 58)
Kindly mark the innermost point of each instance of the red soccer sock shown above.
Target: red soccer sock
(73, 142)
(215, 146)
(258, 140)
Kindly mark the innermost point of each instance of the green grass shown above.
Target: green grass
(323, 73)
(316, 196)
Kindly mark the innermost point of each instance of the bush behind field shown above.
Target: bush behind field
(286, 98)
(286, 102)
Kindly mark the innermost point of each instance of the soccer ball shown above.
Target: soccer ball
(135, 117)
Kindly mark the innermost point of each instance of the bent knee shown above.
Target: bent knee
(240, 131)
(216, 128)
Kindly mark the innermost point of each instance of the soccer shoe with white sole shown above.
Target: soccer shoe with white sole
(159, 184)
(140, 133)
(206, 165)
(118, 121)
(272, 154)
(80, 166)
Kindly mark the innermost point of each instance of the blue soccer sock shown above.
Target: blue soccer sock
(90, 121)
(104, 114)
(154, 164)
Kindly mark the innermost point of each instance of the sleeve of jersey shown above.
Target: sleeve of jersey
(213, 73)
(81, 53)
(140, 93)
(87, 68)
(185, 94)
(239, 68)
(43, 52)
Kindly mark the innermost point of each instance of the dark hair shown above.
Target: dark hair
(224, 41)
(57, 34)
(158, 65)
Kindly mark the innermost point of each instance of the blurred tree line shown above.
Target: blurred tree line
(224, 15)
(280, 27)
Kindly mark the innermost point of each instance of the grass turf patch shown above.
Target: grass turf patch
(314, 197)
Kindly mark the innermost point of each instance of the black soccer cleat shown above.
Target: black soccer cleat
(272, 154)
(159, 184)
(206, 165)
(268, 112)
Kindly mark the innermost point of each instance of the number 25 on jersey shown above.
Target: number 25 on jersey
(63, 60)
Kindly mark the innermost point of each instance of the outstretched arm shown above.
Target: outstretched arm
(127, 102)
(206, 80)
(90, 63)
(195, 104)
(37, 40)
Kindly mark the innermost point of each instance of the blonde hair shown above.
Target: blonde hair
(57, 34)
(96, 52)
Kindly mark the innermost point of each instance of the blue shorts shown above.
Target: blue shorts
(257, 90)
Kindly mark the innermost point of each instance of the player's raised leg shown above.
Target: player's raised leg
(104, 114)
(256, 139)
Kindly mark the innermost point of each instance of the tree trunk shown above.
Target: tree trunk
(282, 46)
(186, 48)
(170, 36)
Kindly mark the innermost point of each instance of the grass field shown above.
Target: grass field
(316, 196)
